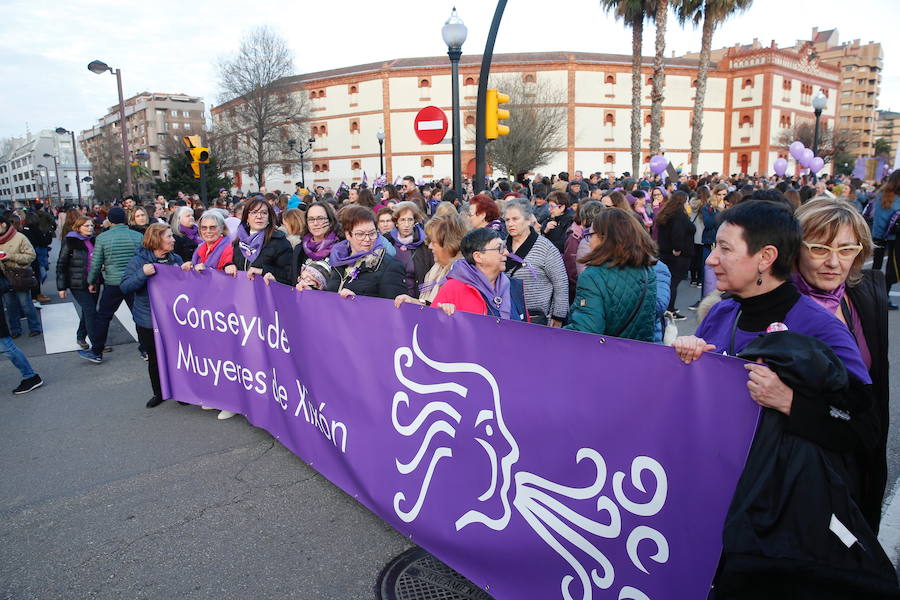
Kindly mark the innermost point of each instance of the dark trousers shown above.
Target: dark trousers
(892, 272)
(678, 266)
(697, 264)
(145, 337)
(110, 299)
(87, 302)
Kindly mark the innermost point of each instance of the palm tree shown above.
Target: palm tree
(633, 13)
(711, 13)
(659, 74)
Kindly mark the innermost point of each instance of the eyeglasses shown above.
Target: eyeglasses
(499, 249)
(317, 220)
(823, 251)
(365, 235)
(255, 213)
(209, 228)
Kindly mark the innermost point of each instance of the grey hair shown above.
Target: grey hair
(521, 204)
(175, 219)
(216, 215)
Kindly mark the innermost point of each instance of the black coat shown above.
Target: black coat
(184, 247)
(71, 267)
(386, 280)
(422, 260)
(558, 234)
(274, 258)
(870, 303)
(677, 234)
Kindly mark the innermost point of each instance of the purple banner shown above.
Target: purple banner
(540, 463)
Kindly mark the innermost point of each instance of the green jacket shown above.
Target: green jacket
(606, 296)
(112, 251)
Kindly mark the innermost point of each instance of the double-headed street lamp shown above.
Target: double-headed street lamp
(379, 135)
(63, 131)
(99, 67)
(292, 145)
(819, 102)
(56, 169)
(454, 33)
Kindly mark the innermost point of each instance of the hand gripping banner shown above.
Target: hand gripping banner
(539, 463)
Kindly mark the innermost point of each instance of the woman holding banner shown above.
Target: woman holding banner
(260, 247)
(361, 265)
(408, 238)
(158, 248)
(803, 468)
(214, 251)
(322, 233)
(445, 233)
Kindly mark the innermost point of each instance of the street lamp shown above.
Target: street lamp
(63, 131)
(99, 67)
(454, 33)
(819, 101)
(379, 135)
(56, 169)
(292, 146)
(46, 176)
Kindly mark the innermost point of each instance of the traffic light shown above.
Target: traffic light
(493, 114)
(197, 153)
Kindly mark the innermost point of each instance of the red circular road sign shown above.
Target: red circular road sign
(430, 125)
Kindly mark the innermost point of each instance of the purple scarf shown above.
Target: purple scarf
(830, 301)
(319, 250)
(250, 243)
(212, 258)
(417, 232)
(192, 233)
(89, 244)
(340, 254)
(497, 296)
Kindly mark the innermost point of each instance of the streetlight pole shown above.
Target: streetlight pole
(819, 101)
(454, 33)
(46, 176)
(292, 145)
(56, 169)
(63, 131)
(380, 137)
(99, 67)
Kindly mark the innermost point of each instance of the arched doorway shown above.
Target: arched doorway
(745, 163)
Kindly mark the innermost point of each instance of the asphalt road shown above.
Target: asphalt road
(103, 498)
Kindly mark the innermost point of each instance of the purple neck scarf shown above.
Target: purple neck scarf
(89, 244)
(497, 295)
(212, 258)
(830, 301)
(191, 232)
(319, 250)
(412, 245)
(341, 256)
(250, 243)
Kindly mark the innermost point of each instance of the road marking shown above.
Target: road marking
(124, 315)
(430, 125)
(60, 323)
(889, 533)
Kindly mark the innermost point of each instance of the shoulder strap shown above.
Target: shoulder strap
(848, 316)
(637, 307)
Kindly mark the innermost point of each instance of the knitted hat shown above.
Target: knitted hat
(318, 270)
(116, 215)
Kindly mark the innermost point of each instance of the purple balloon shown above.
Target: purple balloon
(796, 149)
(806, 157)
(658, 164)
(816, 164)
(780, 166)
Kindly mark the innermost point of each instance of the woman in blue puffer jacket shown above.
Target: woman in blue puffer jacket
(887, 203)
(157, 249)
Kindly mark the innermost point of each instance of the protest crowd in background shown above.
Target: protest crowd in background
(603, 255)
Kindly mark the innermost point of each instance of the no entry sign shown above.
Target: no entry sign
(430, 125)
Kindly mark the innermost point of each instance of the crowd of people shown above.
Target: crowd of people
(603, 255)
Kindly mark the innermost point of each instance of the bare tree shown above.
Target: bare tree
(537, 118)
(107, 169)
(832, 142)
(260, 112)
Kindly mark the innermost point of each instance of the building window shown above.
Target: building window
(353, 89)
(174, 113)
(470, 119)
(609, 118)
(748, 83)
(427, 162)
(786, 84)
(609, 159)
(354, 166)
(470, 81)
(185, 114)
(425, 82)
(354, 126)
(528, 78)
(286, 169)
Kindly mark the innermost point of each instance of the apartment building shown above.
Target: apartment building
(26, 174)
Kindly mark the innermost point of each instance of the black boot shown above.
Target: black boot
(154, 402)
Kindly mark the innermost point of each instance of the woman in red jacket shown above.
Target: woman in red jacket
(477, 284)
(215, 249)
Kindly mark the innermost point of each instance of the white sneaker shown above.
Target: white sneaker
(225, 414)
(207, 407)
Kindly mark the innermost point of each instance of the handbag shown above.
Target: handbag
(21, 279)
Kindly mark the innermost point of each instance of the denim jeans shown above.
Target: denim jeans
(43, 260)
(17, 304)
(110, 299)
(9, 348)
(86, 304)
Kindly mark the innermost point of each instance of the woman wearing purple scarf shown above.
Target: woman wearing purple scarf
(408, 239)
(187, 235)
(360, 265)
(836, 244)
(259, 247)
(321, 235)
(72, 268)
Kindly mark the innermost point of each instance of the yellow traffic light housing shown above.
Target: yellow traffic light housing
(197, 153)
(493, 114)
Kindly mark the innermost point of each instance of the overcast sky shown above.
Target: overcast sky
(172, 46)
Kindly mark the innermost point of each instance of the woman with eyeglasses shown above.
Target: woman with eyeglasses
(72, 269)
(829, 269)
(408, 239)
(187, 235)
(322, 233)
(259, 247)
(361, 265)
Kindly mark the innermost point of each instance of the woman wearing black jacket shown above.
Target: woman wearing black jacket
(187, 236)
(71, 274)
(676, 243)
(259, 247)
(408, 237)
